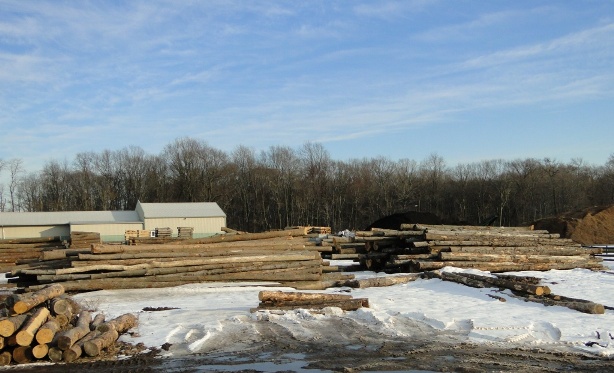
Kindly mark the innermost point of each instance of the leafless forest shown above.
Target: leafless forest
(283, 186)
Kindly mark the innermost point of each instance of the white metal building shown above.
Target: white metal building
(207, 218)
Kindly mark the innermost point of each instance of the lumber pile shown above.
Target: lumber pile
(278, 257)
(527, 288)
(279, 300)
(81, 240)
(417, 248)
(48, 325)
(185, 232)
(164, 232)
(20, 251)
(136, 233)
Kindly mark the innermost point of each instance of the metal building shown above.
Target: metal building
(207, 218)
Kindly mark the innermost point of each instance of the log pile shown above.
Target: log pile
(279, 300)
(48, 325)
(21, 251)
(417, 248)
(82, 240)
(280, 257)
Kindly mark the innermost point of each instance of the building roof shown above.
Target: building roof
(180, 210)
(8, 219)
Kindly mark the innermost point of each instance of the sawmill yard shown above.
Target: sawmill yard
(478, 300)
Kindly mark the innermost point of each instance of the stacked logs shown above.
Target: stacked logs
(47, 324)
(417, 248)
(19, 251)
(280, 257)
(80, 240)
(279, 300)
(528, 288)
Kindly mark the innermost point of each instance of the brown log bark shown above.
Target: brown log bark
(40, 351)
(516, 250)
(94, 346)
(248, 236)
(571, 303)
(10, 325)
(25, 302)
(47, 332)
(66, 339)
(478, 281)
(26, 335)
(30, 240)
(500, 257)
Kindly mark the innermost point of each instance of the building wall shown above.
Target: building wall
(203, 227)
(36, 231)
(108, 232)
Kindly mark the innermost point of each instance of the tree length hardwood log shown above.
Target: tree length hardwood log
(76, 350)
(23, 354)
(26, 335)
(381, 281)
(478, 281)
(281, 296)
(40, 351)
(24, 302)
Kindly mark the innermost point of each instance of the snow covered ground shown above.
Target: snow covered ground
(207, 314)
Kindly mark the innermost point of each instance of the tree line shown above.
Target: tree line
(284, 186)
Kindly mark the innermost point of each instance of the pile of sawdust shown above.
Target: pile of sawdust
(591, 226)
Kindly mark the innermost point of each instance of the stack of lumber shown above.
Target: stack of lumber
(164, 232)
(17, 251)
(49, 325)
(185, 232)
(81, 240)
(279, 300)
(136, 233)
(526, 287)
(417, 248)
(284, 257)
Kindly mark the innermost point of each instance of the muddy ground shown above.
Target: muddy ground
(345, 349)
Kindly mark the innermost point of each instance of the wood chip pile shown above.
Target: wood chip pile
(417, 248)
(49, 325)
(287, 257)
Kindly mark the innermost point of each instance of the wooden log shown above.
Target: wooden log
(26, 335)
(30, 240)
(5, 358)
(76, 350)
(423, 265)
(23, 354)
(571, 303)
(55, 354)
(466, 251)
(344, 304)
(66, 339)
(477, 236)
(280, 296)
(478, 281)
(98, 320)
(479, 257)
(122, 323)
(40, 351)
(381, 281)
(24, 303)
(511, 242)
(10, 325)
(94, 346)
(47, 332)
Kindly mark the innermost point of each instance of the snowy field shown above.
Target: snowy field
(206, 314)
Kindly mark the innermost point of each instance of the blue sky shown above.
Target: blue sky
(468, 80)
